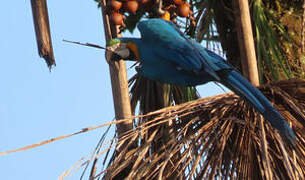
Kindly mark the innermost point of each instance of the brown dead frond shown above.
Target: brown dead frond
(220, 137)
(215, 137)
(42, 30)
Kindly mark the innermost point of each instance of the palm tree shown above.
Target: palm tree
(221, 136)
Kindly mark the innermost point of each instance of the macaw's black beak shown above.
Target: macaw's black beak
(115, 57)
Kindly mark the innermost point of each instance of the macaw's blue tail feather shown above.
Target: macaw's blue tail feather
(239, 85)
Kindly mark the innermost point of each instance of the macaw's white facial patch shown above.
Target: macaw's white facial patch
(119, 49)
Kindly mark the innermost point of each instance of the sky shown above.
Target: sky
(37, 105)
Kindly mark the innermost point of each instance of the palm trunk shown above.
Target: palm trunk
(245, 40)
(120, 92)
(119, 81)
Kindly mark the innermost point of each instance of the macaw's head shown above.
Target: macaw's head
(123, 48)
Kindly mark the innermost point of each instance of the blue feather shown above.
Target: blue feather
(168, 56)
(160, 33)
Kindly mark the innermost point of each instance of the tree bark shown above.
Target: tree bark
(119, 80)
(246, 41)
(120, 93)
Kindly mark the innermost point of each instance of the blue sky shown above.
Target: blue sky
(36, 105)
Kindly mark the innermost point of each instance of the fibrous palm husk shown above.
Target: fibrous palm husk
(220, 137)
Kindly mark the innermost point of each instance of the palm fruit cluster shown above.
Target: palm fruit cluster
(135, 9)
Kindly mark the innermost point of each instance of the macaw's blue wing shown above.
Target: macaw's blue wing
(168, 56)
(216, 61)
(177, 48)
(242, 87)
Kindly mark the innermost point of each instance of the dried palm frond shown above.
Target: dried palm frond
(219, 137)
(151, 96)
(42, 29)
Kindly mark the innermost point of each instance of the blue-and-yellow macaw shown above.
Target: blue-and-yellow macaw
(167, 56)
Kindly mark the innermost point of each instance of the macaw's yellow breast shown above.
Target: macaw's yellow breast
(133, 47)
